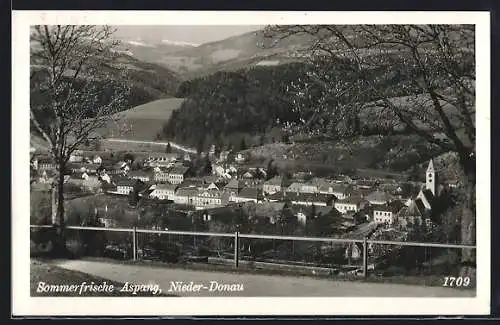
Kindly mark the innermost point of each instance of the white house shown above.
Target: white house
(97, 160)
(125, 186)
(76, 156)
(161, 159)
(348, 204)
(385, 214)
(316, 199)
(177, 174)
(140, 175)
(273, 185)
(186, 195)
(239, 158)
(207, 198)
(164, 191)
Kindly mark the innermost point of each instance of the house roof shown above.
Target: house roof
(168, 187)
(139, 173)
(187, 191)
(320, 210)
(125, 182)
(416, 208)
(163, 155)
(276, 196)
(250, 193)
(178, 170)
(388, 208)
(295, 187)
(339, 188)
(379, 196)
(210, 192)
(366, 183)
(428, 195)
(310, 197)
(92, 166)
(235, 184)
(351, 200)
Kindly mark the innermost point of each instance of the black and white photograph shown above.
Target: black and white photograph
(279, 163)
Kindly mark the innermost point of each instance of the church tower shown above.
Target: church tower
(430, 178)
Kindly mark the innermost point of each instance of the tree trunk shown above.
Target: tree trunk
(468, 220)
(58, 212)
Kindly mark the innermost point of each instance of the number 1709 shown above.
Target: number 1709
(451, 281)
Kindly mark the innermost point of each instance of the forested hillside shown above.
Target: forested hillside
(147, 81)
(252, 104)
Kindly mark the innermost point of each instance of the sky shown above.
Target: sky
(190, 34)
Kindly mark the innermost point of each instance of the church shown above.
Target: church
(419, 208)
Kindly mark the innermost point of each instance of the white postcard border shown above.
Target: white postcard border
(24, 305)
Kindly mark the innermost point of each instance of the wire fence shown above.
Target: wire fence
(316, 254)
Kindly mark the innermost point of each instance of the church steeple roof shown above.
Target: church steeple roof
(430, 168)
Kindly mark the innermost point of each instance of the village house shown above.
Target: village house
(276, 197)
(387, 213)
(186, 195)
(108, 222)
(92, 183)
(266, 212)
(233, 188)
(125, 186)
(248, 194)
(275, 184)
(309, 187)
(177, 173)
(140, 175)
(187, 157)
(91, 168)
(414, 214)
(379, 197)
(46, 177)
(208, 198)
(351, 203)
(339, 190)
(211, 151)
(160, 175)
(224, 155)
(164, 191)
(76, 156)
(307, 213)
(295, 187)
(97, 160)
(367, 184)
(310, 199)
(356, 218)
(46, 164)
(221, 214)
(240, 158)
(161, 159)
(248, 175)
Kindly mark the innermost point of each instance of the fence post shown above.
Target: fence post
(365, 258)
(236, 248)
(134, 243)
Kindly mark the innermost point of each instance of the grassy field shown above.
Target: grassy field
(54, 275)
(144, 121)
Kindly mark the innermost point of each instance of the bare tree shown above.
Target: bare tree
(76, 87)
(413, 79)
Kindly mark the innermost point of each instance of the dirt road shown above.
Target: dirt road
(199, 283)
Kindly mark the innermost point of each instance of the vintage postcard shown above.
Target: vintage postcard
(250, 163)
